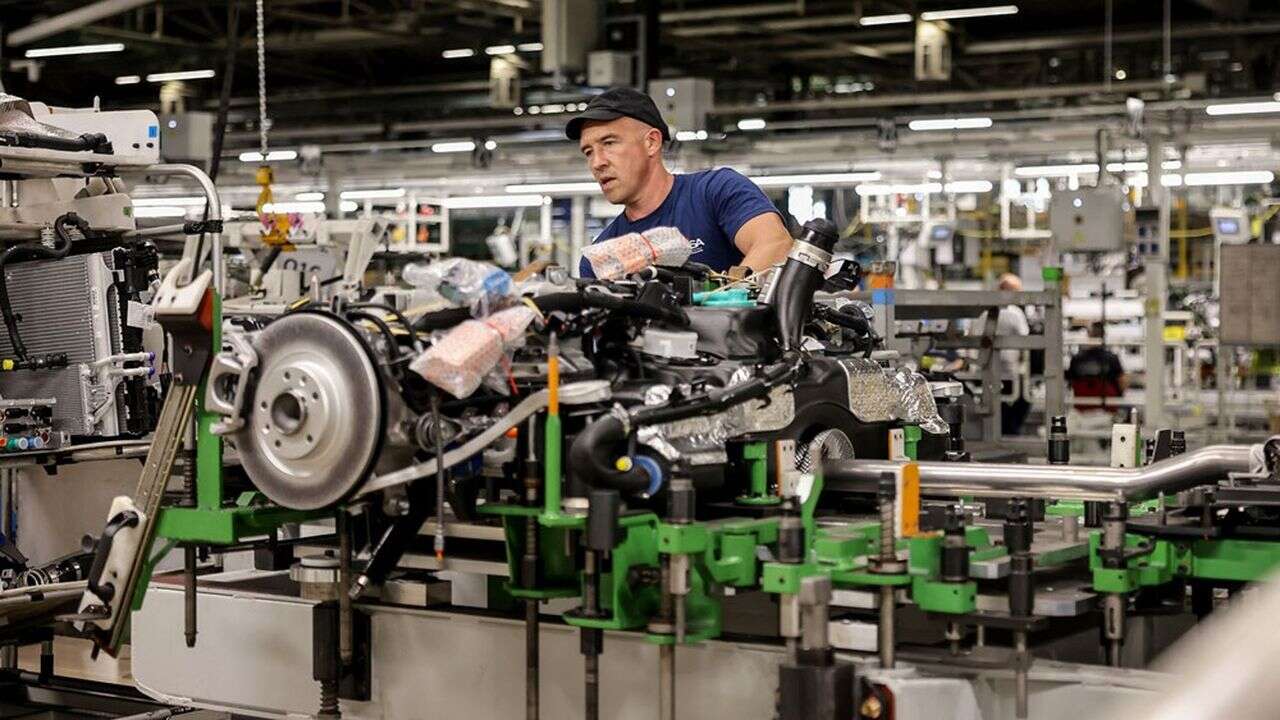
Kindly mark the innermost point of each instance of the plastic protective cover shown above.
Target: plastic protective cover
(459, 361)
(621, 256)
(483, 287)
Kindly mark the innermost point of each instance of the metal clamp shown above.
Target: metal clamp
(810, 255)
(228, 383)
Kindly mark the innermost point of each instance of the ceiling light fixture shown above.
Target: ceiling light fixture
(846, 178)
(160, 211)
(128, 80)
(74, 50)
(529, 47)
(499, 49)
(968, 186)
(378, 194)
(554, 188)
(964, 13)
(293, 207)
(309, 196)
(457, 53)
(971, 123)
(1242, 177)
(184, 201)
(751, 124)
(1244, 108)
(690, 135)
(181, 75)
(1056, 170)
(891, 19)
(272, 156)
(491, 201)
(453, 147)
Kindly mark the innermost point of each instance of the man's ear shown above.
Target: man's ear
(653, 141)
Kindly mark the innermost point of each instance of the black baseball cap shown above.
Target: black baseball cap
(615, 103)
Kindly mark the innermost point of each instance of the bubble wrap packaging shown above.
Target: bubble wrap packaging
(916, 403)
(618, 257)
(464, 283)
(459, 361)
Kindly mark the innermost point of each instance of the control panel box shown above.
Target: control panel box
(1088, 219)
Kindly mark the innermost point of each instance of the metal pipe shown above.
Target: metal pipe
(214, 211)
(1050, 481)
(667, 682)
(885, 639)
(72, 20)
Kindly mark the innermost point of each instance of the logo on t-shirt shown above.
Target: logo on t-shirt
(697, 245)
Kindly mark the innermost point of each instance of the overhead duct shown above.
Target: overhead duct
(570, 30)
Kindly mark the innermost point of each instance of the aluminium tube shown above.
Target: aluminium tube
(1064, 482)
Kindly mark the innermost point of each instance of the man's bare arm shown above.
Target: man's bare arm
(764, 241)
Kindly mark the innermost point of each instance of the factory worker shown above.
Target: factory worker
(727, 218)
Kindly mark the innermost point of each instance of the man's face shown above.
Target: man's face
(619, 154)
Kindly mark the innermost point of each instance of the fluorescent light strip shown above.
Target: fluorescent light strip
(457, 53)
(969, 186)
(453, 147)
(1246, 108)
(555, 188)
(128, 80)
(814, 179)
(1056, 170)
(499, 49)
(689, 135)
(903, 189)
(973, 123)
(309, 196)
(1117, 167)
(348, 206)
(958, 186)
(491, 201)
(74, 50)
(191, 201)
(751, 124)
(293, 207)
(1243, 177)
(892, 19)
(159, 211)
(181, 75)
(377, 194)
(529, 47)
(272, 156)
(962, 13)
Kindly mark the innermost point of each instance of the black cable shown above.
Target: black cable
(383, 327)
(399, 316)
(224, 105)
(565, 302)
(591, 460)
(33, 251)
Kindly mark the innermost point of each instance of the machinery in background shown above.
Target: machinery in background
(649, 453)
(85, 371)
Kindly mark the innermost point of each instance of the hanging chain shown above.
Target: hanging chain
(275, 226)
(262, 79)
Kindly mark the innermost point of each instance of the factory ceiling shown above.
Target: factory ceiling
(375, 70)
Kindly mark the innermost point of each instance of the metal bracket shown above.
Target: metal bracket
(228, 383)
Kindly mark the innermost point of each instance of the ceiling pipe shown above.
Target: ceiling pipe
(759, 10)
(72, 20)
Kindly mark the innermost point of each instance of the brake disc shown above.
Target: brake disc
(319, 413)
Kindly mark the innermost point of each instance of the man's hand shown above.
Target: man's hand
(764, 241)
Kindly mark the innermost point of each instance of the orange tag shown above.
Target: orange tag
(909, 500)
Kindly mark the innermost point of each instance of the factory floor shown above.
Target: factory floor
(82, 687)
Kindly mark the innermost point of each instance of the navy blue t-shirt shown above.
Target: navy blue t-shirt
(709, 207)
